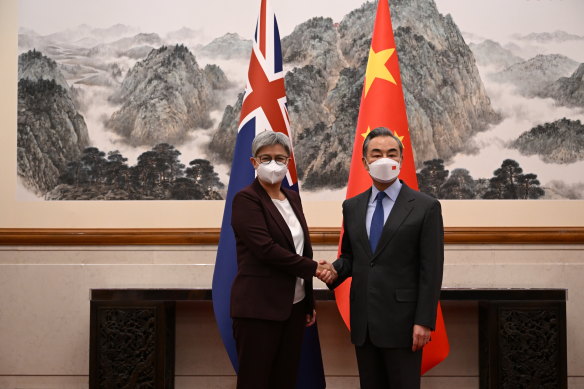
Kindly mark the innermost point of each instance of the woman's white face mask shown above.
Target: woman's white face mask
(384, 169)
(271, 172)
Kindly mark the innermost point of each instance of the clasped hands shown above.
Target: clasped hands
(326, 272)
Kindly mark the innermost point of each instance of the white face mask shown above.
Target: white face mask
(384, 169)
(271, 172)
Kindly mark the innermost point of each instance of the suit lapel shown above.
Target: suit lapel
(273, 211)
(359, 212)
(400, 211)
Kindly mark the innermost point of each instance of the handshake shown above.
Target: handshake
(326, 272)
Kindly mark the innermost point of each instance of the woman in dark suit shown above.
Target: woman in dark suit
(271, 296)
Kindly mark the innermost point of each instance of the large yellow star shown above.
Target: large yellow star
(364, 134)
(376, 67)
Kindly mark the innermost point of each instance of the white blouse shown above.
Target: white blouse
(297, 235)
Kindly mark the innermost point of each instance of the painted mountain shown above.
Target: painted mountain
(228, 46)
(567, 91)
(165, 97)
(559, 142)
(532, 76)
(491, 53)
(544, 37)
(50, 130)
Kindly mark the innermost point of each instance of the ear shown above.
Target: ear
(365, 165)
(254, 163)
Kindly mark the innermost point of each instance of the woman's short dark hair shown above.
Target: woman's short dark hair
(381, 131)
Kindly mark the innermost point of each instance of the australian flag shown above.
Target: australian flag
(263, 109)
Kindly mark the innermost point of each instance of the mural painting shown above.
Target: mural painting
(142, 110)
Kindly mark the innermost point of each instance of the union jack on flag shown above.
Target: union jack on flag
(264, 104)
(263, 109)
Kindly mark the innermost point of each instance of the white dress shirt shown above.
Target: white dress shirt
(388, 201)
(297, 235)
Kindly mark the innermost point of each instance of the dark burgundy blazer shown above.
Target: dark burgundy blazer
(267, 263)
(398, 285)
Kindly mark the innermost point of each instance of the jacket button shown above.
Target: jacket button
(372, 264)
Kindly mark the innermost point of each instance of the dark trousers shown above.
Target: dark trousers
(269, 351)
(388, 368)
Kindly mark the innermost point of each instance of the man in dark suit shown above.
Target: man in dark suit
(393, 247)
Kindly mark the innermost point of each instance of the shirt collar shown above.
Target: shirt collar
(392, 191)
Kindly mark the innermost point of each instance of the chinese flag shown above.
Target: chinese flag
(382, 104)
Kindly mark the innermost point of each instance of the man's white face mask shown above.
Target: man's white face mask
(384, 169)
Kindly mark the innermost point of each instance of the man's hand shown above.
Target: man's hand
(421, 337)
(311, 319)
(326, 272)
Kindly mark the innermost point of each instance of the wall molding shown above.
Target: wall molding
(320, 235)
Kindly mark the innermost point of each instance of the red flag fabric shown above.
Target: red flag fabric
(382, 104)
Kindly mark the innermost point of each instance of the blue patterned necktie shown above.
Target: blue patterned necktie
(377, 222)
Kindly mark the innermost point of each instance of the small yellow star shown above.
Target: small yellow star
(364, 134)
(401, 138)
(376, 67)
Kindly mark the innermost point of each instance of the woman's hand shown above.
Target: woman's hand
(311, 319)
(326, 272)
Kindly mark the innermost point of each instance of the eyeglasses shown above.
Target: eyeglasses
(266, 159)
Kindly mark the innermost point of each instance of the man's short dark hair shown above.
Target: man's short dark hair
(381, 131)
